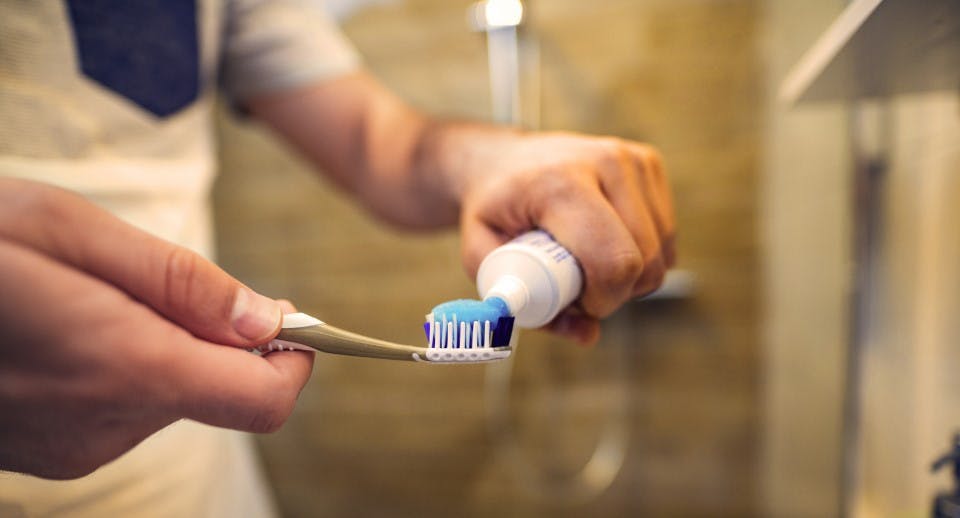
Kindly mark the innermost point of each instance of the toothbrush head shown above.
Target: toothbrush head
(469, 330)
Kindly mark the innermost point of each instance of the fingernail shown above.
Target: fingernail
(254, 316)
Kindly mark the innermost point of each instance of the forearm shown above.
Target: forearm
(404, 167)
(606, 199)
(387, 164)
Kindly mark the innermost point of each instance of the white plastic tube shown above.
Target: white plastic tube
(534, 275)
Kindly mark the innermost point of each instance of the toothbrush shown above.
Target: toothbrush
(528, 281)
(469, 327)
(300, 331)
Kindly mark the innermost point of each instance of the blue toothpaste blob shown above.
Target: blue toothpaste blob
(469, 310)
(462, 324)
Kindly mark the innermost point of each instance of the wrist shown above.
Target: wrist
(456, 155)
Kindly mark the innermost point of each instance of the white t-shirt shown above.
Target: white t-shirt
(113, 99)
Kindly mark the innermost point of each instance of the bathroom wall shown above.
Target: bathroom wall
(807, 243)
(376, 438)
(909, 389)
(900, 385)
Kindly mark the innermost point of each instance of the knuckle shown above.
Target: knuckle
(271, 412)
(180, 269)
(623, 269)
(613, 159)
(648, 154)
(613, 283)
(558, 186)
(649, 160)
(43, 203)
(30, 194)
(652, 277)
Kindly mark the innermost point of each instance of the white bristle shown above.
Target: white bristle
(452, 333)
(443, 336)
(456, 329)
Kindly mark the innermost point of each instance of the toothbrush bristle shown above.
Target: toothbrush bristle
(467, 331)
(454, 334)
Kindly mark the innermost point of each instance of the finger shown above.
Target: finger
(141, 366)
(651, 181)
(574, 324)
(658, 195)
(220, 386)
(176, 282)
(477, 240)
(231, 388)
(620, 180)
(584, 221)
(80, 352)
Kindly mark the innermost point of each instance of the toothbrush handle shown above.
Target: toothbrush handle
(330, 339)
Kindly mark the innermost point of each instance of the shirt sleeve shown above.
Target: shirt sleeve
(273, 45)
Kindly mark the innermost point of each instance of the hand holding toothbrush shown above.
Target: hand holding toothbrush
(108, 334)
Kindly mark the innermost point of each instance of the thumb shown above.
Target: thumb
(175, 282)
(477, 240)
(202, 298)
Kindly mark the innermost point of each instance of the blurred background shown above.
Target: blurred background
(805, 372)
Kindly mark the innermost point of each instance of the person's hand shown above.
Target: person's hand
(607, 200)
(108, 334)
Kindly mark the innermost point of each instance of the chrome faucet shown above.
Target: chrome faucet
(500, 19)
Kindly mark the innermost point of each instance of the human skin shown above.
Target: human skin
(108, 334)
(606, 199)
